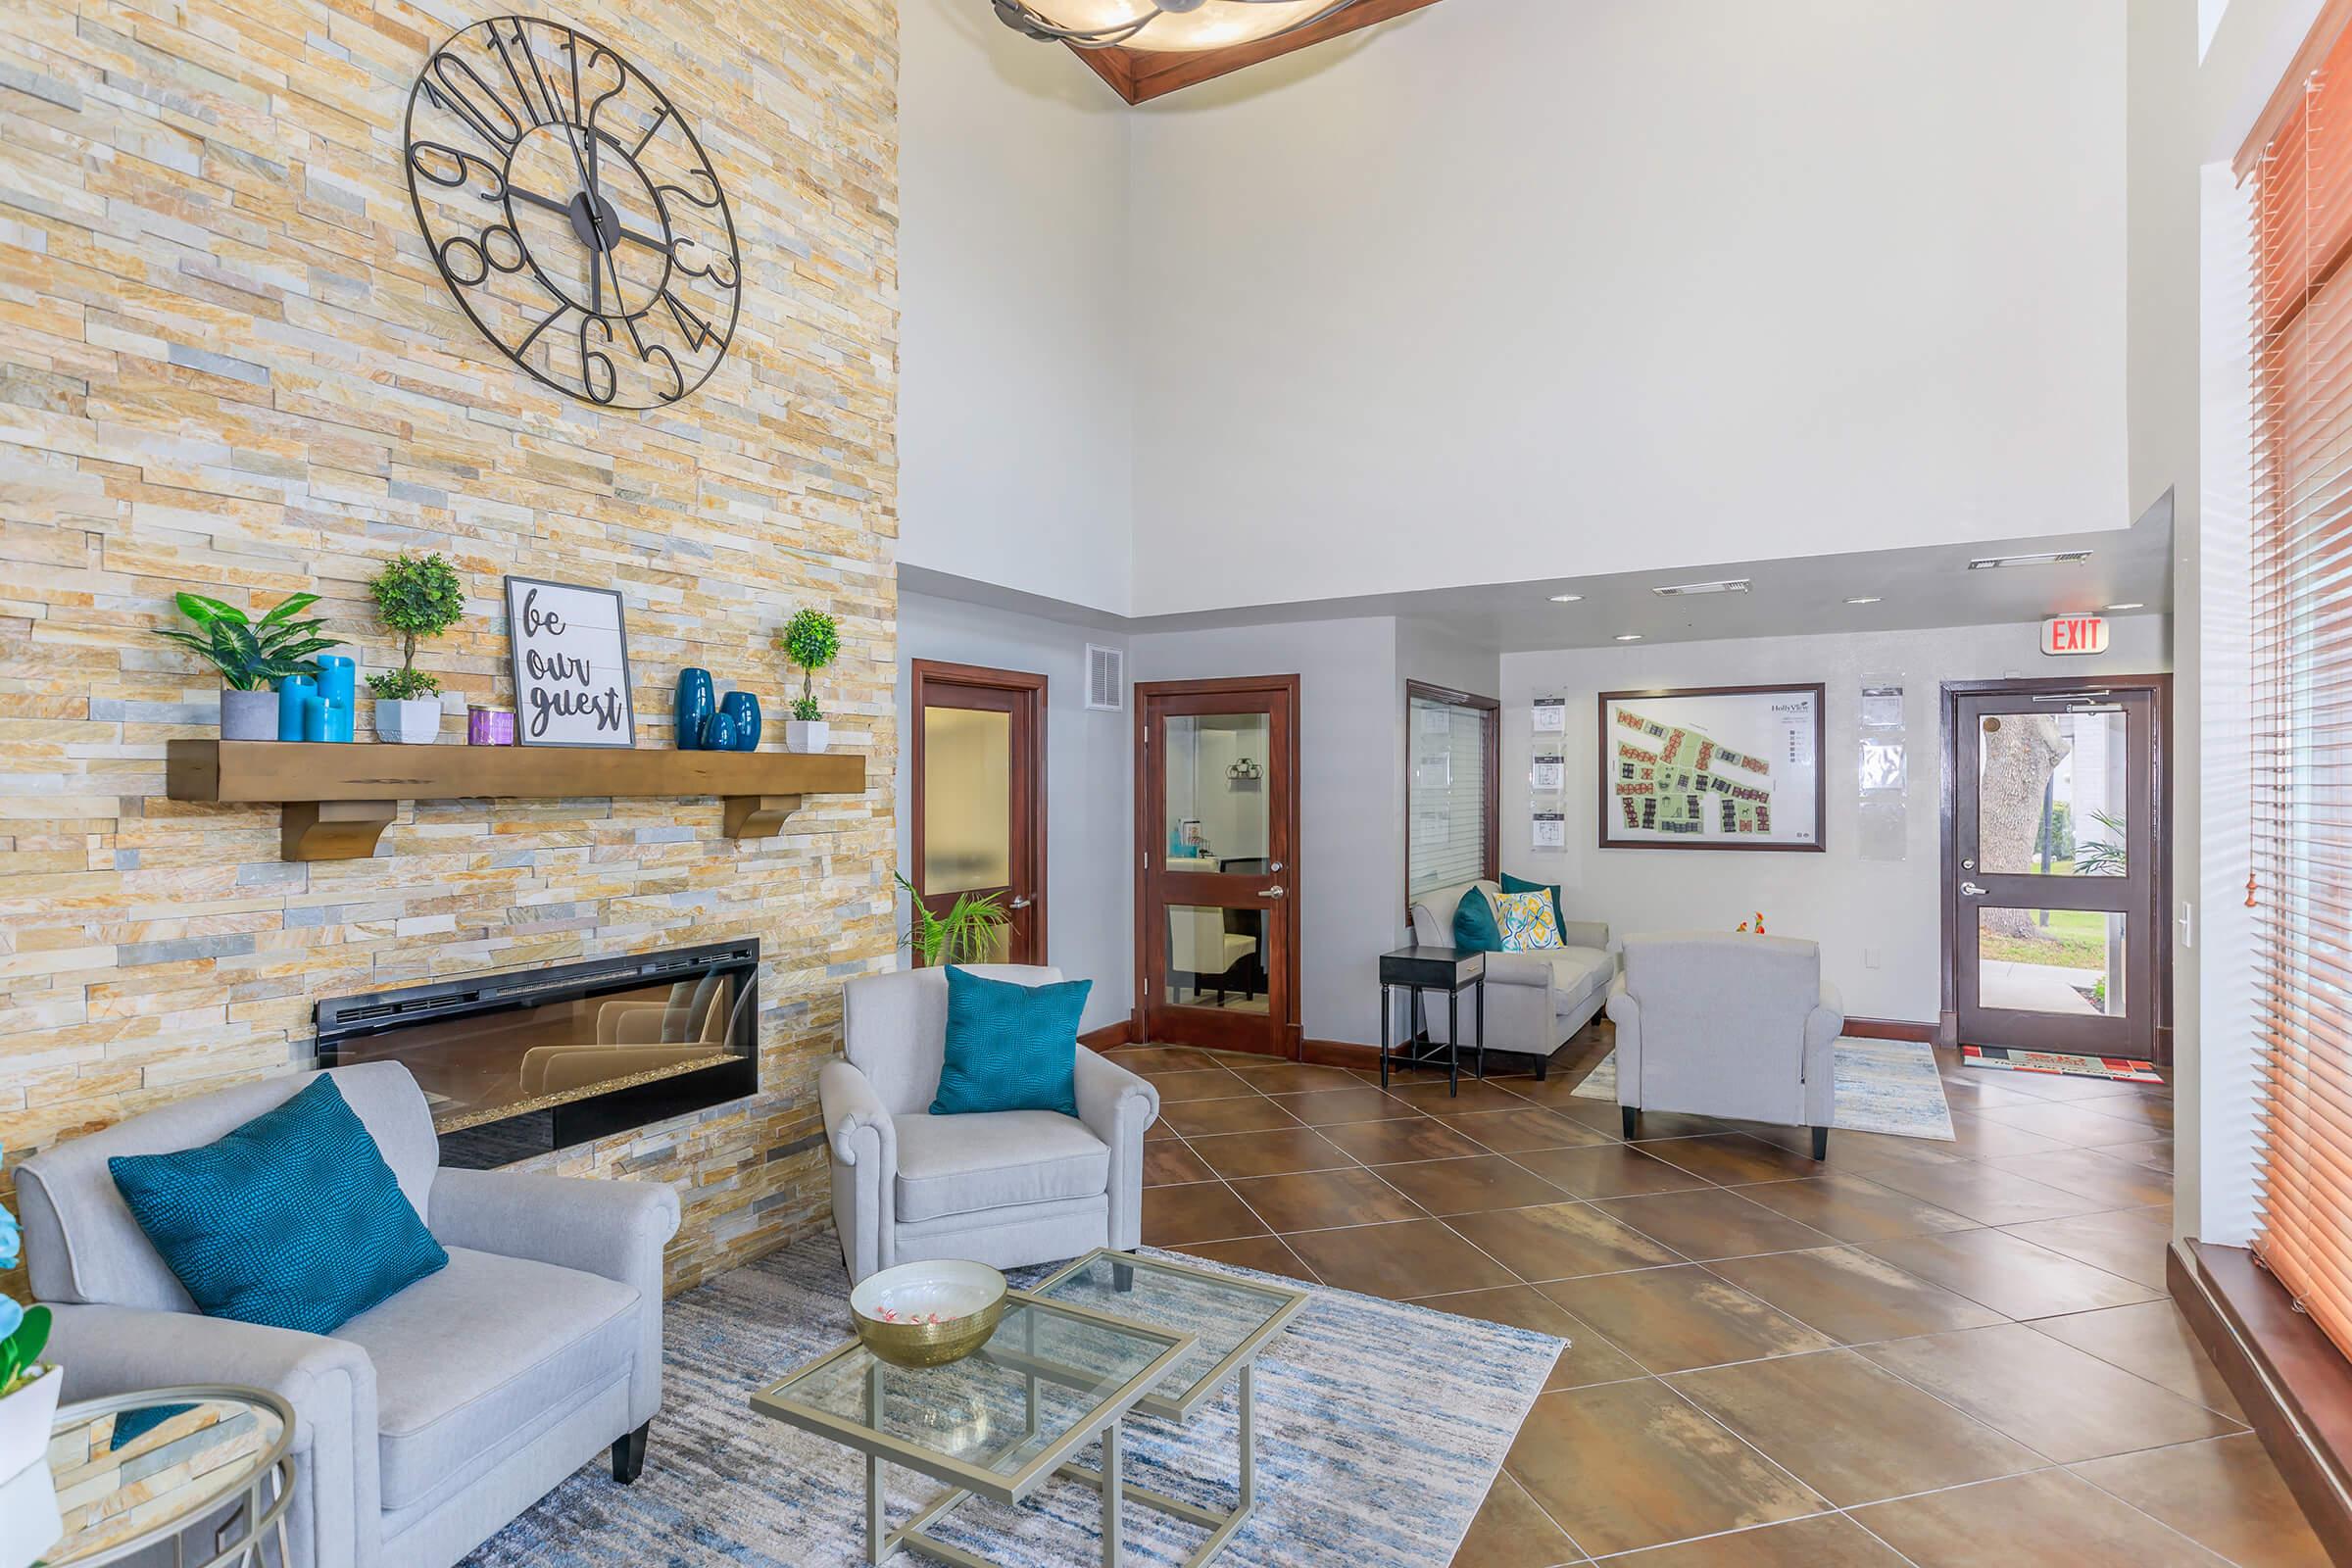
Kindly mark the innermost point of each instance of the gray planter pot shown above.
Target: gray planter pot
(409, 721)
(249, 715)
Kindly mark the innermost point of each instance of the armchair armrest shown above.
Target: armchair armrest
(864, 1144)
(1822, 1025)
(1118, 1107)
(329, 1383)
(615, 1230)
(1625, 1011)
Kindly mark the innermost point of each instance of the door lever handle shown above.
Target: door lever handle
(1274, 893)
(1972, 890)
(1018, 903)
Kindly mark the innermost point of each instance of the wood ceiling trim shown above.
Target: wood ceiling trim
(1141, 75)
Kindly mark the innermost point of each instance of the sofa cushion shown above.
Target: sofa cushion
(995, 1160)
(1475, 929)
(1009, 1047)
(1578, 975)
(483, 1354)
(292, 1219)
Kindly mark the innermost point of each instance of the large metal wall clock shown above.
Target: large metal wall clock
(572, 213)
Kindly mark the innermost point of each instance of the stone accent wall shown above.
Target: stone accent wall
(227, 364)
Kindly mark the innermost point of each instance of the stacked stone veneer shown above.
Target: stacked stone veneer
(227, 364)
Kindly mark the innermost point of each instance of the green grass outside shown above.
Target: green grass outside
(2074, 939)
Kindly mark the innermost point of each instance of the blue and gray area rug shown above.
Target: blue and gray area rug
(1884, 1086)
(1380, 1427)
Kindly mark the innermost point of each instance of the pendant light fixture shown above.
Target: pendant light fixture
(1162, 26)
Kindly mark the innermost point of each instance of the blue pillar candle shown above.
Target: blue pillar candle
(292, 693)
(336, 677)
(744, 709)
(313, 717)
(339, 721)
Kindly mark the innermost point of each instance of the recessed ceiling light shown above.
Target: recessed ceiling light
(1864, 599)
(2135, 604)
(1567, 598)
(1728, 585)
(1628, 636)
(2047, 558)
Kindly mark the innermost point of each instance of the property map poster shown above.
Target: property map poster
(1717, 767)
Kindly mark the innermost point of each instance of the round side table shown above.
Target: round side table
(138, 1469)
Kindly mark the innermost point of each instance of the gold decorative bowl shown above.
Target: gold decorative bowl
(928, 1314)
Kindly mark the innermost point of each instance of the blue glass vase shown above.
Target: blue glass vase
(744, 709)
(719, 732)
(695, 707)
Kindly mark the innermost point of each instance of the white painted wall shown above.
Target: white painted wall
(1844, 902)
(1350, 881)
(1518, 289)
(1016, 388)
(1090, 891)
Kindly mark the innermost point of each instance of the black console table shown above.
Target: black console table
(1448, 970)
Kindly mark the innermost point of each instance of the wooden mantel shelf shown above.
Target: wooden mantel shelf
(338, 799)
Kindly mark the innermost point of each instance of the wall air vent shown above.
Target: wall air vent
(2044, 558)
(1728, 585)
(1106, 679)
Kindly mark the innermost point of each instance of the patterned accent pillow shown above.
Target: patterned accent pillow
(1009, 1047)
(293, 1219)
(1527, 920)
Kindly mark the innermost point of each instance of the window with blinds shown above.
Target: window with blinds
(1450, 757)
(2300, 164)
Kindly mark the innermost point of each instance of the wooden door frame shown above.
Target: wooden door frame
(1023, 685)
(2160, 753)
(1149, 839)
(1491, 866)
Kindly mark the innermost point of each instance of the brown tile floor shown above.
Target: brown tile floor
(1940, 1355)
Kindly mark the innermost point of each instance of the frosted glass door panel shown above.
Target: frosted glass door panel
(967, 799)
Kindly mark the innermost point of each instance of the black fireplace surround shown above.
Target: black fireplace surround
(517, 1063)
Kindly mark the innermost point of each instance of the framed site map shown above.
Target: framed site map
(1713, 767)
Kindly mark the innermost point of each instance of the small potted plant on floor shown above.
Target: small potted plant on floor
(27, 1387)
(416, 596)
(250, 654)
(811, 640)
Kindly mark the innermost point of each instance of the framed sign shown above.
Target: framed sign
(1713, 767)
(571, 664)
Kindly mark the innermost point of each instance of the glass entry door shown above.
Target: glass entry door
(2057, 899)
(978, 797)
(1217, 887)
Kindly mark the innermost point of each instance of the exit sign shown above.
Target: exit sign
(2074, 634)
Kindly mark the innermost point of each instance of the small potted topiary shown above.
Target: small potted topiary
(811, 640)
(27, 1387)
(250, 654)
(416, 596)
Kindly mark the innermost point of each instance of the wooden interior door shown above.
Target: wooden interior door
(2056, 899)
(977, 764)
(1217, 885)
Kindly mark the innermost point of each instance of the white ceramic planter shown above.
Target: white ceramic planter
(24, 1419)
(411, 720)
(807, 736)
(248, 715)
(30, 1520)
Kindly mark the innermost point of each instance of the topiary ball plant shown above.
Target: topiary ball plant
(810, 640)
(416, 596)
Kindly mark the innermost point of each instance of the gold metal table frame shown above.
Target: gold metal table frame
(263, 1496)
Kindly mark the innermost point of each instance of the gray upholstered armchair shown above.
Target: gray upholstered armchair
(1003, 1188)
(427, 1423)
(1719, 1024)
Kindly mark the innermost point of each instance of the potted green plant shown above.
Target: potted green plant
(250, 654)
(810, 640)
(27, 1386)
(969, 932)
(416, 596)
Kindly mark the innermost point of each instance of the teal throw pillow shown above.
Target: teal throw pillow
(293, 1219)
(1520, 884)
(1474, 927)
(1009, 1047)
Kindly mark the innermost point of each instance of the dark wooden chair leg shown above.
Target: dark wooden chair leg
(1821, 1142)
(1630, 1118)
(629, 1454)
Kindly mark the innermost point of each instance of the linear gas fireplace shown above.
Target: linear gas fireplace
(517, 1063)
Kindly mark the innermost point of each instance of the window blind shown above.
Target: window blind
(2301, 809)
(1449, 835)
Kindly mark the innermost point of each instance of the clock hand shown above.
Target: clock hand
(532, 197)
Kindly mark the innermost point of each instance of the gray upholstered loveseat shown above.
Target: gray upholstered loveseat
(1535, 1002)
(1003, 1188)
(427, 1423)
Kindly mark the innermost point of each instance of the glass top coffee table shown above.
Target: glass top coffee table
(135, 1470)
(1230, 1321)
(998, 1424)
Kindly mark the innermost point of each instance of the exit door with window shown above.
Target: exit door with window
(2056, 909)
(978, 751)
